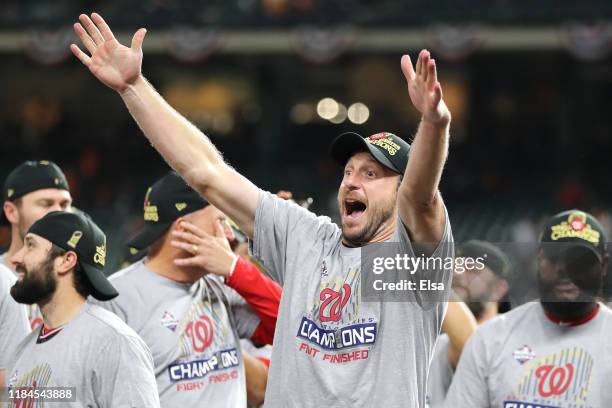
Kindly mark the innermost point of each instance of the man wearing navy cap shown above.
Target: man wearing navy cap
(332, 348)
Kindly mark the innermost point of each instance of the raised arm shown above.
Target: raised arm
(459, 324)
(182, 144)
(420, 205)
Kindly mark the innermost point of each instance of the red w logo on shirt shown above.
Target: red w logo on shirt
(200, 333)
(553, 380)
(333, 302)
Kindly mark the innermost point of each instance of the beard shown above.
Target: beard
(378, 215)
(477, 308)
(564, 309)
(36, 286)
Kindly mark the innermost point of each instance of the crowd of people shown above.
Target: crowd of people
(195, 320)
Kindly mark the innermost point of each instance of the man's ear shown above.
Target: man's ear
(501, 288)
(11, 212)
(66, 262)
(176, 225)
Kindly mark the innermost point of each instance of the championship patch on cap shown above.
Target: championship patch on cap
(577, 226)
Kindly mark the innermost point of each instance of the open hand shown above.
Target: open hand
(424, 89)
(115, 65)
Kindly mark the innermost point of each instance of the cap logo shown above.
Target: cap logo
(180, 206)
(133, 251)
(56, 181)
(74, 240)
(10, 192)
(575, 226)
(385, 142)
(44, 162)
(150, 211)
(100, 256)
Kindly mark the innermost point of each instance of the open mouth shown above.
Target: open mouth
(354, 208)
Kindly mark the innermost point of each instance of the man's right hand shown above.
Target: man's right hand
(116, 65)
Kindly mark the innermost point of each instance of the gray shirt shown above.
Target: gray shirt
(330, 348)
(522, 359)
(440, 374)
(193, 331)
(98, 354)
(13, 318)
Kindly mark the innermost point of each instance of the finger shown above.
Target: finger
(138, 39)
(219, 230)
(84, 58)
(187, 237)
(437, 93)
(419, 63)
(84, 37)
(425, 67)
(190, 248)
(193, 261)
(105, 30)
(92, 30)
(407, 69)
(432, 75)
(191, 228)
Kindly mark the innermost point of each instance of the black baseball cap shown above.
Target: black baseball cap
(77, 232)
(493, 257)
(30, 176)
(575, 228)
(388, 149)
(168, 199)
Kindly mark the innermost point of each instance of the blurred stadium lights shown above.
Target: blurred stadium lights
(358, 113)
(302, 113)
(340, 117)
(327, 108)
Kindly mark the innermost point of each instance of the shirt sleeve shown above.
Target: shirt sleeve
(14, 325)
(262, 294)
(469, 386)
(124, 376)
(111, 306)
(283, 227)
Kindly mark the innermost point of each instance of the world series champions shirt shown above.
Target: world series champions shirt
(96, 354)
(193, 331)
(331, 349)
(522, 359)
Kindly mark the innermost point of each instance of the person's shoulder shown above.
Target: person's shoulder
(128, 275)
(7, 279)
(106, 323)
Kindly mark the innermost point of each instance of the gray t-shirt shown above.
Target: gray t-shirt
(13, 318)
(193, 331)
(522, 359)
(440, 374)
(33, 312)
(98, 354)
(330, 348)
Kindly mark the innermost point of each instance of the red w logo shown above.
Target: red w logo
(201, 333)
(554, 380)
(335, 301)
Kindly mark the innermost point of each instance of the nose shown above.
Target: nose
(350, 182)
(17, 258)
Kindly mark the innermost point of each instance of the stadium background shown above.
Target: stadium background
(529, 87)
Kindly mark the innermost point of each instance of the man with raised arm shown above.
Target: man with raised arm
(331, 348)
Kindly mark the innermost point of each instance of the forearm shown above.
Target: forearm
(459, 324)
(261, 293)
(428, 153)
(191, 154)
(256, 379)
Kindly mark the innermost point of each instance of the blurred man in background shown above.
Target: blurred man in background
(480, 286)
(551, 353)
(192, 299)
(80, 346)
(32, 190)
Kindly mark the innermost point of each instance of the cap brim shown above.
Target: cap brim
(149, 234)
(347, 144)
(101, 288)
(565, 244)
